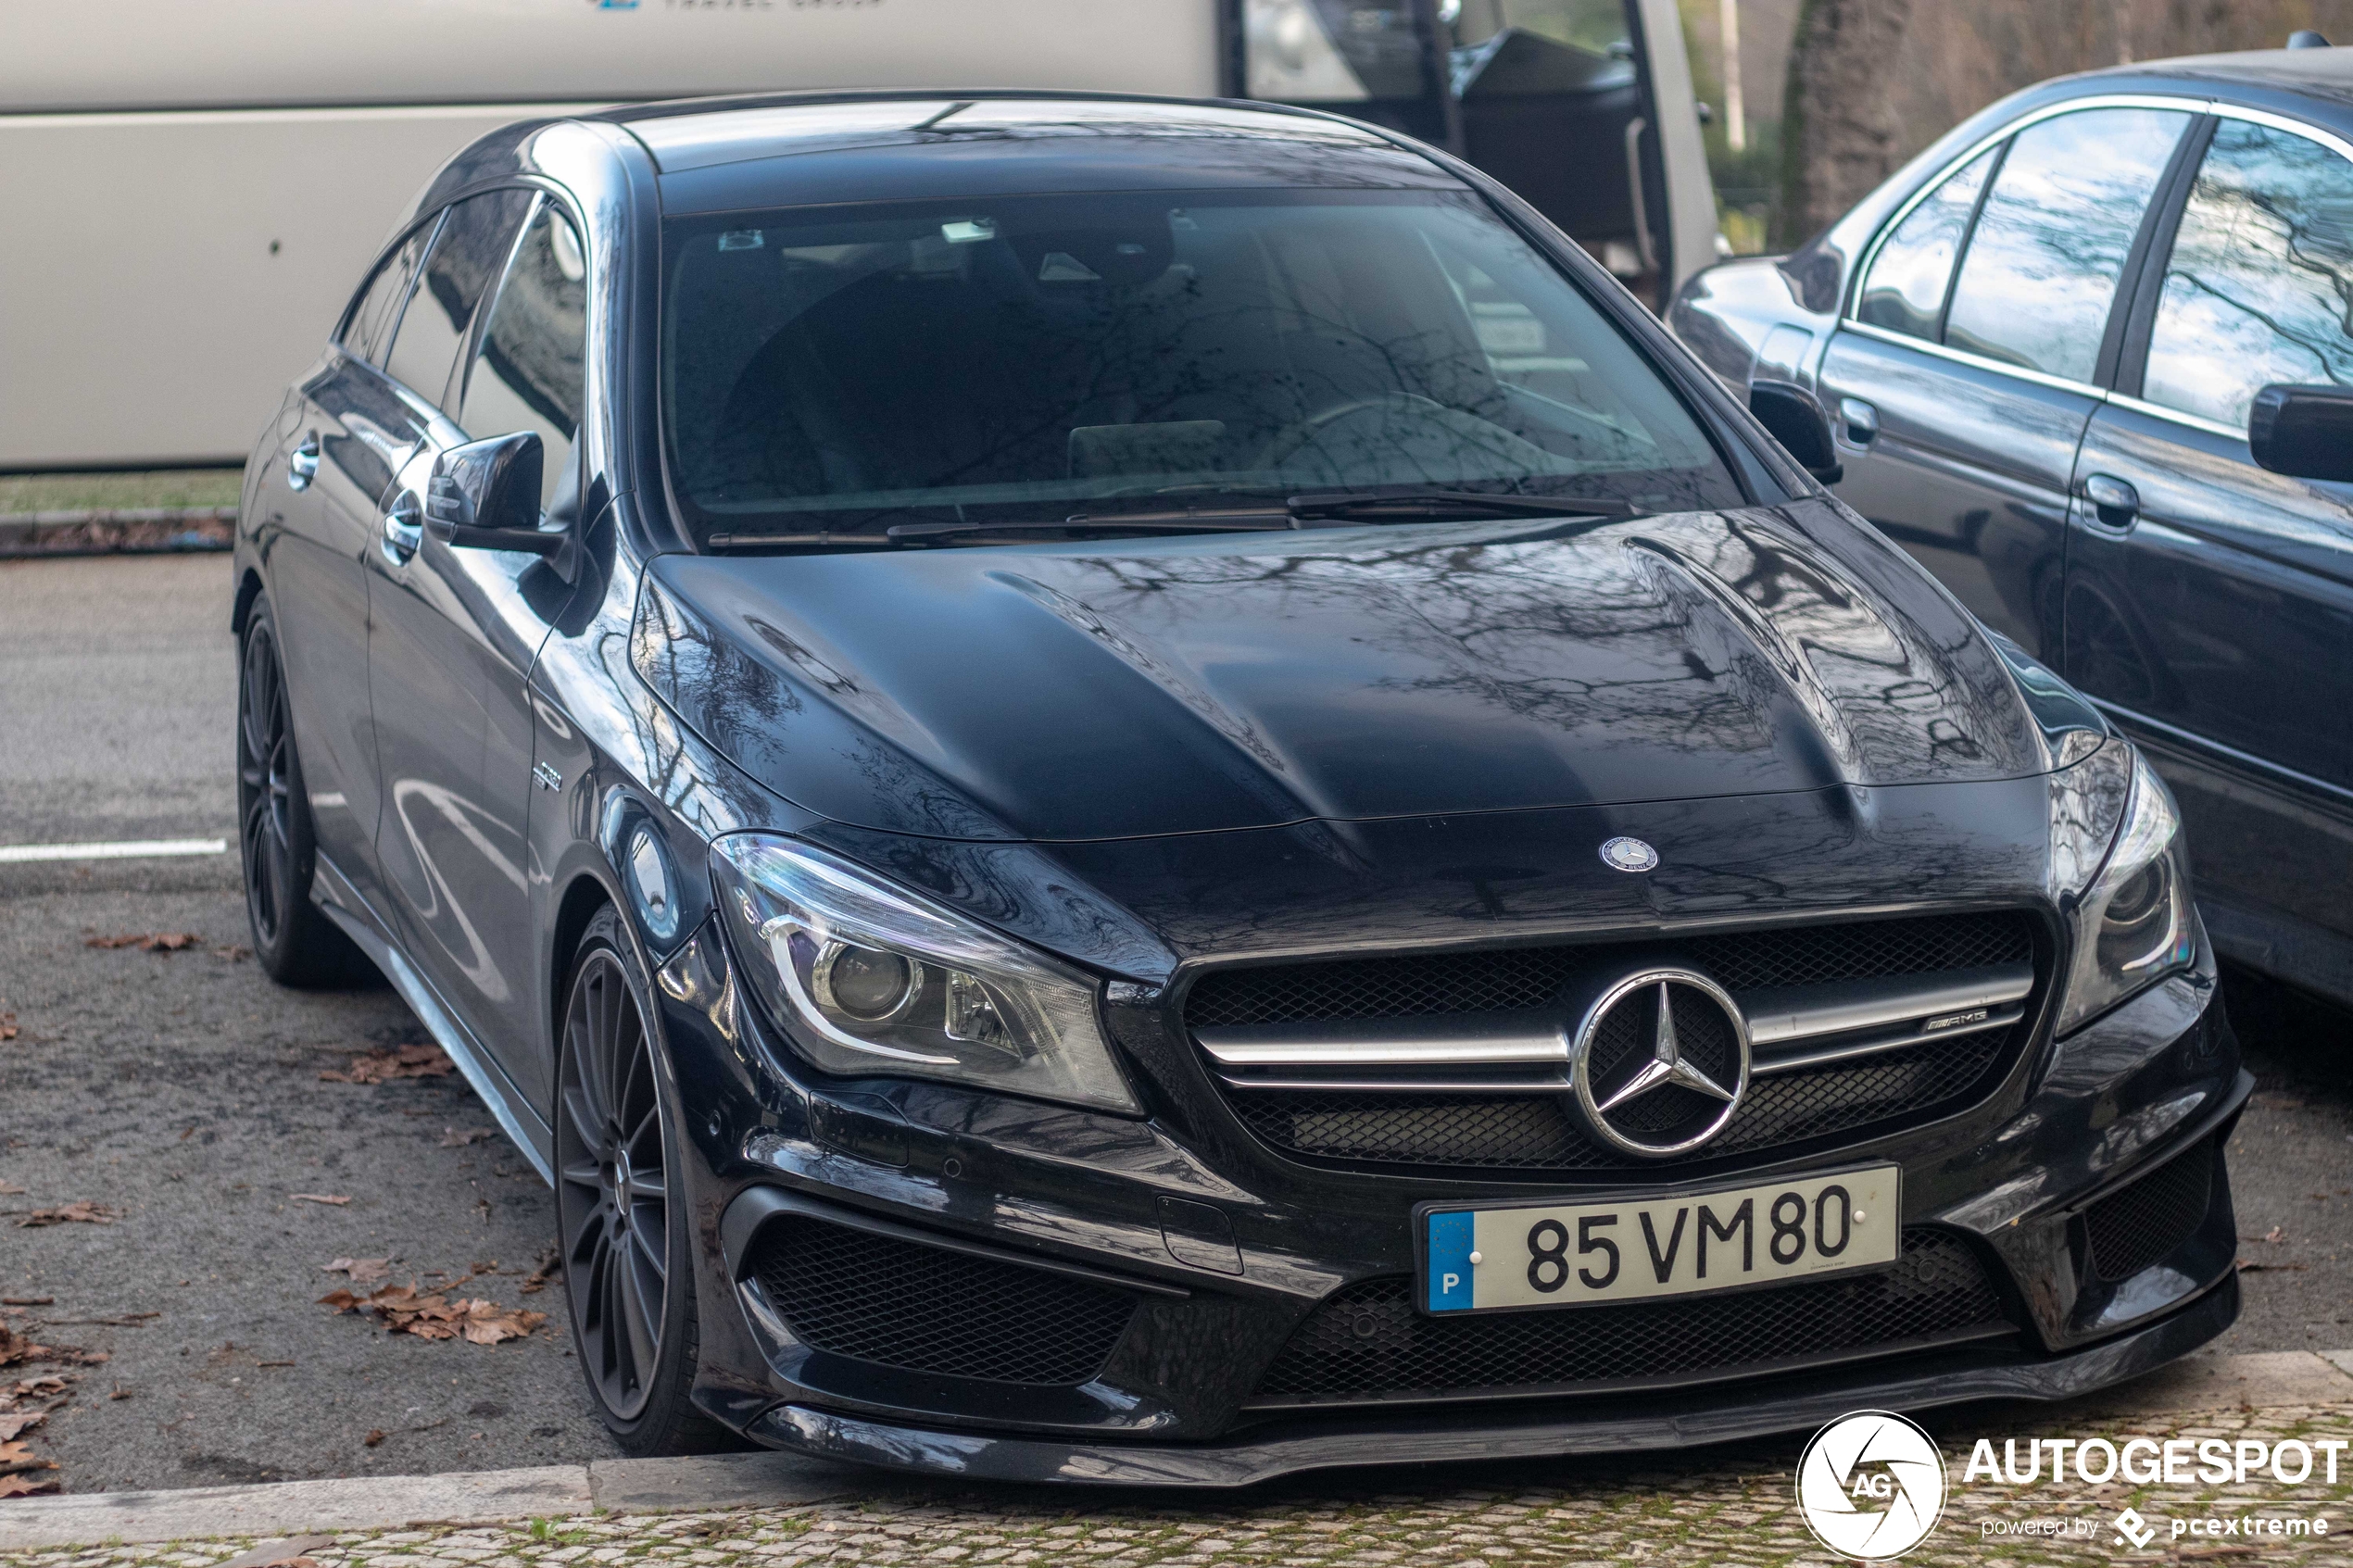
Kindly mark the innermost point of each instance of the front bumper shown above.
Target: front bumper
(1610, 1427)
(1116, 1202)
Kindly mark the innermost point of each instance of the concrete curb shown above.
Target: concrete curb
(2203, 1382)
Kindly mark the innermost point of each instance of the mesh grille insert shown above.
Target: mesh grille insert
(2141, 1224)
(1503, 979)
(1366, 1341)
(900, 1304)
(1542, 1131)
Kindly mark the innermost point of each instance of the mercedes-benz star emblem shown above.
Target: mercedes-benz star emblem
(1629, 855)
(1660, 1062)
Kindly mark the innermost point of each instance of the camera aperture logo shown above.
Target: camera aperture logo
(1870, 1486)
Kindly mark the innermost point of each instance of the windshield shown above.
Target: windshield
(830, 374)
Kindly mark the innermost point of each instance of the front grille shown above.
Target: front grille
(1367, 1343)
(2141, 1224)
(1542, 1131)
(901, 1304)
(1507, 979)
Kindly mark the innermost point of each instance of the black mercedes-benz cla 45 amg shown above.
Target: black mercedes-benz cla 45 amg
(1132, 791)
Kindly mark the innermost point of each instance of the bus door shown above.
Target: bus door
(1584, 107)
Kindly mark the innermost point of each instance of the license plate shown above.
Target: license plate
(1576, 1254)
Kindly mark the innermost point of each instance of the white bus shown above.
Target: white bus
(188, 191)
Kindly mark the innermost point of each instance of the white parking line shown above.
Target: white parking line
(120, 849)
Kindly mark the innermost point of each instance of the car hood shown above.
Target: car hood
(1104, 691)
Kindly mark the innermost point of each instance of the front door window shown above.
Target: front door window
(2260, 282)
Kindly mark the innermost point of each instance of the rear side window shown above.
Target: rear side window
(466, 257)
(2052, 238)
(531, 370)
(1906, 290)
(2260, 280)
(367, 330)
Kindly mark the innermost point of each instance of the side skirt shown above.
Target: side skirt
(523, 1127)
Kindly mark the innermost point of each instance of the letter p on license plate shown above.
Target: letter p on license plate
(1567, 1255)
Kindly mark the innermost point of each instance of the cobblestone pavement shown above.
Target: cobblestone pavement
(1724, 1507)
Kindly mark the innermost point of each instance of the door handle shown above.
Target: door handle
(404, 528)
(2115, 503)
(302, 463)
(1860, 419)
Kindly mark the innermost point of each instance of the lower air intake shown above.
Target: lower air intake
(2144, 1223)
(923, 1308)
(1366, 1342)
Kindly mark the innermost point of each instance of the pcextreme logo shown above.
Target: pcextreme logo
(1870, 1486)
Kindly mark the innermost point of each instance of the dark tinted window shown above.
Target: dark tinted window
(366, 332)
(2052, 238)
(1906, 290)
(2260, 280)
(839, 368)
(528, 375)
(465, 260)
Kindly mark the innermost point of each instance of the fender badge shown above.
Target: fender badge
(1628, 855)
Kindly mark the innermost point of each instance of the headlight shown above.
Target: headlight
(867, 978)
(2120, 871)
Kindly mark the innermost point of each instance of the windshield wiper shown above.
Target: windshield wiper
(1241, 520)
(1346, 505)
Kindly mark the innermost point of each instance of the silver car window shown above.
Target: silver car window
(2052, 238)
(2260, 280)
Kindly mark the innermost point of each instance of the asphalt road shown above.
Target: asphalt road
(182, 1089)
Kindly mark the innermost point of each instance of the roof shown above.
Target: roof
(719, 155)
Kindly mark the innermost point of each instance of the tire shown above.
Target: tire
(294, 942)
(621, 1205)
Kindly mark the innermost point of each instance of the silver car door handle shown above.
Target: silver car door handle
(404, 528)
(302, 463)
(2114, 502)
(1860, 419)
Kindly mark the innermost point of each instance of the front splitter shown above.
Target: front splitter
(1419, 1438)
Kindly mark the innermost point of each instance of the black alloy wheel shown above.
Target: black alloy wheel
(620, 1209)
(291, 937)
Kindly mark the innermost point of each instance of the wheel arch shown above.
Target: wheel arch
(582, 899)
(249, 590)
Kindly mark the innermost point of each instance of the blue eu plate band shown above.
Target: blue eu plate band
(1449, 1265)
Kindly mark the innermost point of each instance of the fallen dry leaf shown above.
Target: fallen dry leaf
(373, 1437)
(79, 1212)
(382, 1067)
(458, 1138)
(16, 1424)
(150, 941)
(336, 1198)
(119, 1392)
(235, 952)
(7, 1025)
(27, 1485)
(38, 1388)
(362, 1271)
(404, 1309)
(16, 1459)
(537, 1279)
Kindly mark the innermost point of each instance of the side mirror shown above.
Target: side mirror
(485, 496)
(1789, 411)
(2303, 432)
